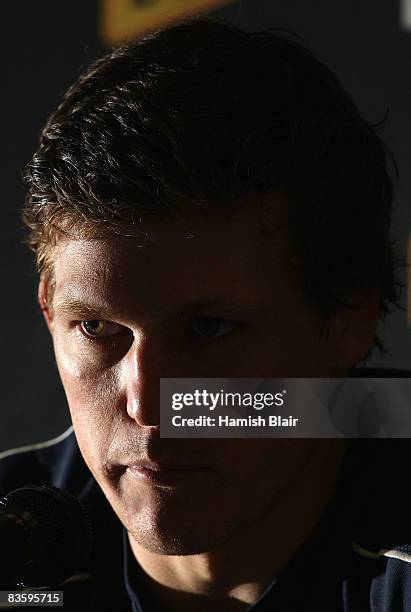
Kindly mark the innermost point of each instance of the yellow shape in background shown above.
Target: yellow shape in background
(122, 20)
(405, 14)
(409, 281)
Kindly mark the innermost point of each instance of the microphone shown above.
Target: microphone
(45, 537)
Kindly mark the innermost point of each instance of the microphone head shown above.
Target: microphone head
(60, 533)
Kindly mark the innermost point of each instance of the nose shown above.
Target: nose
(147, 361)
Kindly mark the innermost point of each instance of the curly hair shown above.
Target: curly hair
(201, 113)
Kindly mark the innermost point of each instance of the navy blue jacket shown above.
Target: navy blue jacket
(358, 557)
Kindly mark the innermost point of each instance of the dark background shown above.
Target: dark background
(45, 45)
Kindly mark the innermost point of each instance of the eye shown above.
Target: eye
(210, 327)
(99, 328)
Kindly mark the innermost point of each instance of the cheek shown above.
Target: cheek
(255, 464)
(86, 376)
(95, 402)
(260, 462)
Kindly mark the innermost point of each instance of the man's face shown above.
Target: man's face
(225, 303)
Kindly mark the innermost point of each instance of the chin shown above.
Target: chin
(172, 543)
(167, 533)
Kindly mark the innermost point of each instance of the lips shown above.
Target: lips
(160, 466)
(164, 474)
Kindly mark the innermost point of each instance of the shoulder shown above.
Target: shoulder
(58, 462)
(51, 462)
(376, 493)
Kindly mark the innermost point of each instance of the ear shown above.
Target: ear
(353, 329)
(44, 305)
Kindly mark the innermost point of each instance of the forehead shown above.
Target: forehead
(213, 251)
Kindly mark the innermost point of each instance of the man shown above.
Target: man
(210, 203)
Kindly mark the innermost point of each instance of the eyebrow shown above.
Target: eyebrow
(67, 305)
(83, 309)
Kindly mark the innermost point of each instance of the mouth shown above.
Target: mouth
(165, 475)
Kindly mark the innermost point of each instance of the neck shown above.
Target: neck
(235, 575)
